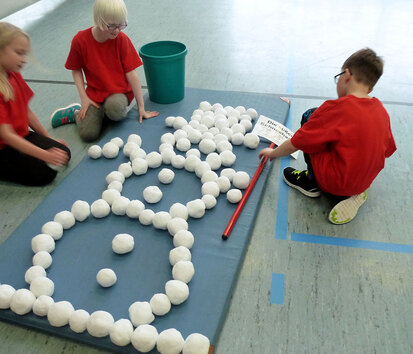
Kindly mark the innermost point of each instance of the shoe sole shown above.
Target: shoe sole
(303, 191)
(347, 209)
(59, 109)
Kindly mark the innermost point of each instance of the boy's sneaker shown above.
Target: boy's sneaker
(346, 210)
(300, 181)
(64, 115)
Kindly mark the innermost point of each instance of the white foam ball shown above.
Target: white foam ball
(80, 210)
(99, 324)
(106, 277)
(116, 185)
(109, 195)
(168, 138)
(205, 106)
(209, 176)
(209, 201)
(228, 158)
(118, 141)
(180, 134)
(160, 220)
(195, 121)
(196, 343)
(135, 138)
(179, 253)
(100, 208)
(42, 259)
(252, 113)
(228, 132)
(34, 272)
(238, 128)
(140, 313)
(115, 176)
(139, 166)
(42, 304)
(214, 160)
(123, 243)
(214, 131)
(251, 140)
(196, 208)
(166, 146)
(224, 184)
(53, 229)
(130, 147)
(152, 194)
(178, 210)
(234, 195)
(160, 304)
(198, 111)
(134, 208)
(195, 152)
(232, 120)
(141, 153)
(221, 123)
(228, 172)
(183, 144)
(177, 291)
(178, 161)
(22, 301)
(121, 332)
(210, 187)
(176, 224)
(166, 175)
(169, 121)
(6, 293)
(126, 169)
(247, 124)
(201, 168)
(154, 159)
(207, 146)
(78, 321)
(191, 162)
(179, 122)
(59, 313)
(216, 106)
(146, 216)
(94, 152)
(66, 218)
(233, 112)
(110, 150)
(241, 180)
(170, 341)
(208, 120)
(224, 145)
(144, 338)
(195, 136)
(241, 109)
(43, 242)
(167, 155)
(202, 128)
(220, 138)
(42, 286)
(237, 139)
(183, 271)
(184, 238)
(119, 205)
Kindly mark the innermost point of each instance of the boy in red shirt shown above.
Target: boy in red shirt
(107, 59)
(345, 141)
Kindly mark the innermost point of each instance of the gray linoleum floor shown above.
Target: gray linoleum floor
(336, 299)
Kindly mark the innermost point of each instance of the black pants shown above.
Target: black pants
(28, 170)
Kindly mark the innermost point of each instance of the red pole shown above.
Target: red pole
(244, 198)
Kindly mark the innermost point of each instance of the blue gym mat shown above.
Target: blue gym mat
(86, 248)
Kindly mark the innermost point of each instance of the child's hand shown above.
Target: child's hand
(56, 157)
(267, 152)
(85, 106)
(146, 114)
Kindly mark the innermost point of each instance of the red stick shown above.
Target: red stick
(244, 198)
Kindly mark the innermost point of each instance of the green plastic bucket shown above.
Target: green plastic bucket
(164, 65)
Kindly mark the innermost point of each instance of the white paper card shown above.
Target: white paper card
(273, 131)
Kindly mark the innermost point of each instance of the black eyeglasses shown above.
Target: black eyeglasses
(112, 27)
(337, 76)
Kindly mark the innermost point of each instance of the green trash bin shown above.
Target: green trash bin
(164, 66)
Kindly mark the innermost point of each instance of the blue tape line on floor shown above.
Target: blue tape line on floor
(277, 288)
(348, 242)
(282, 204)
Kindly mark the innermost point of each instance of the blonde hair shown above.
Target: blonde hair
(109, 10)
(8, 33)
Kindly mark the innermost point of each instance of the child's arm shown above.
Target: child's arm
(36, 126)
(285, 149)
(53, 156)
(133, 79)
(84, 99)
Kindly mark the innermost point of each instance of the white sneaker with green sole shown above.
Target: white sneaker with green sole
(347, 209)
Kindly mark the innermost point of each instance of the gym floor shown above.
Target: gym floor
(306, 286)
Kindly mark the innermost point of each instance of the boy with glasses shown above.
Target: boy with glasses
(345, 141)
(107, 59)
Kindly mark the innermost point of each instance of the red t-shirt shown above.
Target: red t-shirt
(348, 140)
(104, 64)
(15, 112)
